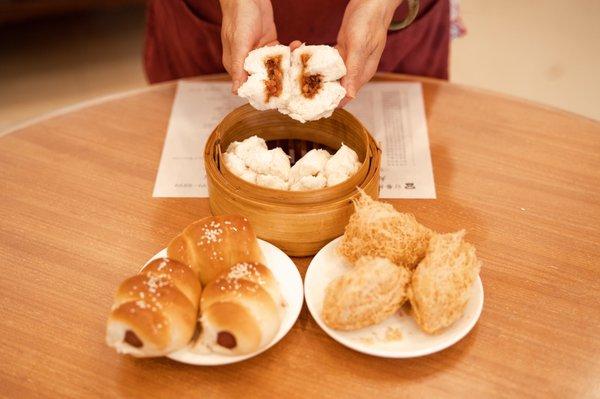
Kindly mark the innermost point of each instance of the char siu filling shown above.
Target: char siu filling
(132, 339)
(226, 340)
(310, 84)
(274, 83)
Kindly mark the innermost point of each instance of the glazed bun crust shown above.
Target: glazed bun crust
(154, 312)
(256, 273)
(180, 274)
(213, 244)
(231, 328)
(241, 310)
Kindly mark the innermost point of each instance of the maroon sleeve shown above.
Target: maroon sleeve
(179, 43)
(423, 47)
(183, 36)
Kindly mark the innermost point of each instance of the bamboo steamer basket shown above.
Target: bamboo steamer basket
(298, 222)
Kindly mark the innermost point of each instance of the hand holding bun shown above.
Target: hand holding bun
(245, 24)
(361, 40)
(155, 311)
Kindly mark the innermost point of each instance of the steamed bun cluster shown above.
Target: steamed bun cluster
(304, 86)
(252, 161)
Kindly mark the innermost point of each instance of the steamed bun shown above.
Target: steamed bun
(280, 164)
(341, 166)
(234, 163)
(245, 149)
(251, 160)
(320, 67)
(311, 164)
(256, 88)
(303, 84)
(237, 166)
(272, 182)
(309, 183)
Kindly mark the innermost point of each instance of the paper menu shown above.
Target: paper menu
(392, 112)
(198, 107)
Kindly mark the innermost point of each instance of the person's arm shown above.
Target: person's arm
(247, 24)
(361, 40)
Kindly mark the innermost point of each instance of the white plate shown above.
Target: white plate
(380, 340)
(290, 284)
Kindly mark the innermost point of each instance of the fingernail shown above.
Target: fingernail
(351, 93)
(236, 85)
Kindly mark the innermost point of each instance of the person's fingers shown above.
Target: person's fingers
(265, 42)
(356, 81)
(238, 81)
(295, 44)
(342, 50)
(369, 69)
(344, 102)
(238, 76)
(354, 71)
(227, 65)
(226, 59)
(236, 69)
(226, 40)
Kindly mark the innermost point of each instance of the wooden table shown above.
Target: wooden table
(77, 216)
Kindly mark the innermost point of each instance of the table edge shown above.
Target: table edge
(380, 76)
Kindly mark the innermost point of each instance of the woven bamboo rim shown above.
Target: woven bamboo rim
(342, 127)
(299, 222)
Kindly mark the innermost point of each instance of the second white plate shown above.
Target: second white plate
(399, 336)
(290, 283)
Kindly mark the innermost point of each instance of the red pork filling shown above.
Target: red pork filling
(274, 83)
(310, 84)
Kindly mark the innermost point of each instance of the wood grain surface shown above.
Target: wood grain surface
(77, 216)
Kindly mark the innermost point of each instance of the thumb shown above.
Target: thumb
(344, 102)
(354, 70)
(238, 75)
(271, 43)
(295, 44)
